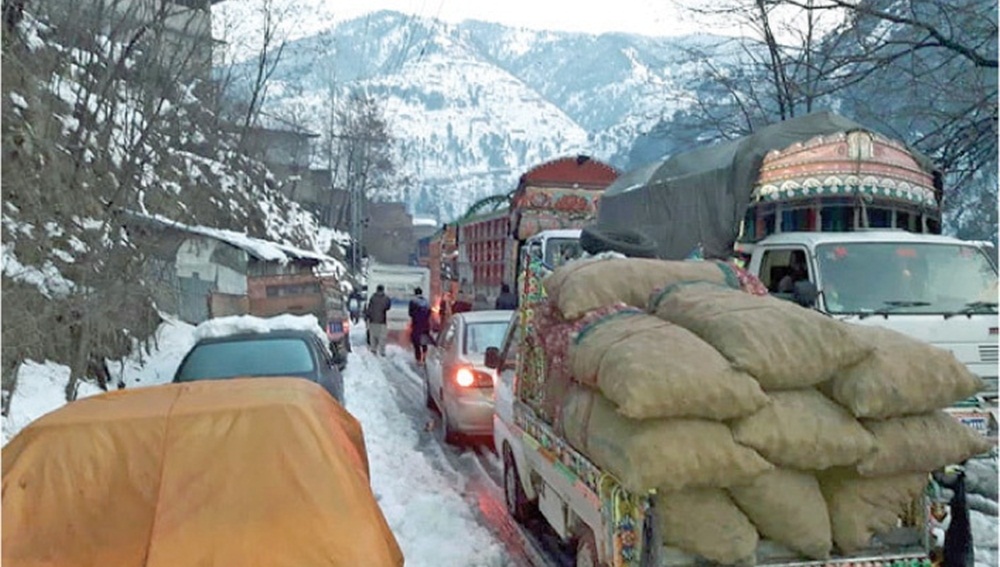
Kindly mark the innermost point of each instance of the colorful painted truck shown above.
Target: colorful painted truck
(545, 475)
(722, 201)
(478, 253)
(859, 212)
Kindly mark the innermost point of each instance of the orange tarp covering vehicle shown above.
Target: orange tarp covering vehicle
(270, 472)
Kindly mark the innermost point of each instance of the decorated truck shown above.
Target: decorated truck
(669, 413)
(478, 253)
(854, 214)
(838, 419)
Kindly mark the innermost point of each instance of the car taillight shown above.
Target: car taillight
(347, 325)
(472, 378)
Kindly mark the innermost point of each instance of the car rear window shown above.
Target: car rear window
(480, 336)
(270, 357)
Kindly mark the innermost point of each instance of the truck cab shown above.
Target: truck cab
(552, 248)
(936, 289)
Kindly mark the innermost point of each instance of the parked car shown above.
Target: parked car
(245, 346)
(458, 383)
(227, 472)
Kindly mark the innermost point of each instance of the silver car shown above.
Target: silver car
(458, 382)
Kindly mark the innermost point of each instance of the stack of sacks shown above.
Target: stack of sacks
(897, 393)
(867, 373)
(582, 286)
(750, 412)
(650, 408)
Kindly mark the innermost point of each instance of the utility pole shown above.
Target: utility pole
(357, 197)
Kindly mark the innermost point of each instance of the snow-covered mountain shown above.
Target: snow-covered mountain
(475, 105)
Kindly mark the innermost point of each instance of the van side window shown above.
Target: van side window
(781, 269)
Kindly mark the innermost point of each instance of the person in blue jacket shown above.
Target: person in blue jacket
(420, 324)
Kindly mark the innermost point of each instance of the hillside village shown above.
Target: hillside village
(175, 209)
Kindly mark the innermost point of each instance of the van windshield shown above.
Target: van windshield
(912, 278)
(558, 251)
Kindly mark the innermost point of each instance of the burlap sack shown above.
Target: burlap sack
(705, 522)
(782, 345)
(863, 507)
(803, 429)
(919, 444)
(585, 285)
(671, 454)
(788, 507)
(651, 368)
(903, 376)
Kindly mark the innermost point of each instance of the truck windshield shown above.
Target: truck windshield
(558, 251)
(906, 278)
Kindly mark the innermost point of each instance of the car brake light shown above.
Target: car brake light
(347, 325)
(464, 377)
(470, 378)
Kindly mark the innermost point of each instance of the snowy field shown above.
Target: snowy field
(422, 487)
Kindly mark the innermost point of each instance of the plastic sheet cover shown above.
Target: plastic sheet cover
(219, 473)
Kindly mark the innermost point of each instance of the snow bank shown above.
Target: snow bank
(159, 364)
(41, 388)
(434, 525)
(224, 326)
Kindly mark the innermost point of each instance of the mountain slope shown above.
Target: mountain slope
(475, 105)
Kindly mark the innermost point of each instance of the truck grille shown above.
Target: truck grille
(988, 353)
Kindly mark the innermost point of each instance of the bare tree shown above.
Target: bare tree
(253, 54)
(93, 151)
(359, 150)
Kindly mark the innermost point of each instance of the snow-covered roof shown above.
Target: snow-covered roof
(240, 324)
(256, 247)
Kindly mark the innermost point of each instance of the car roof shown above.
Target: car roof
(252, 336)
(487, 316)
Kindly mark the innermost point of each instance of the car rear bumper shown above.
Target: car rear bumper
(471, 415)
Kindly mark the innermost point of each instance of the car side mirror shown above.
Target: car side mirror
(805, 293)
(492, 357)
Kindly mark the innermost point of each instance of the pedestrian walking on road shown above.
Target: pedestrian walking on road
(420, 324)
(375, 316)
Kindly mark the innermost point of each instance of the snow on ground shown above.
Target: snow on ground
(41, 388)
(157, 366)
(433, 524)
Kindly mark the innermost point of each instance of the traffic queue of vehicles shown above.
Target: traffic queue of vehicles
(822, 213)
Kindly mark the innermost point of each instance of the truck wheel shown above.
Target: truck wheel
(586, 551)
(520, 508)
(632, 243)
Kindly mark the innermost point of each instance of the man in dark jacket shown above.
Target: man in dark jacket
(420, 324)
(376, 318)
(506, 299)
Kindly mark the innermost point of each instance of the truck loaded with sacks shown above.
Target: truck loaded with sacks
(825, 201)
(673, 413)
